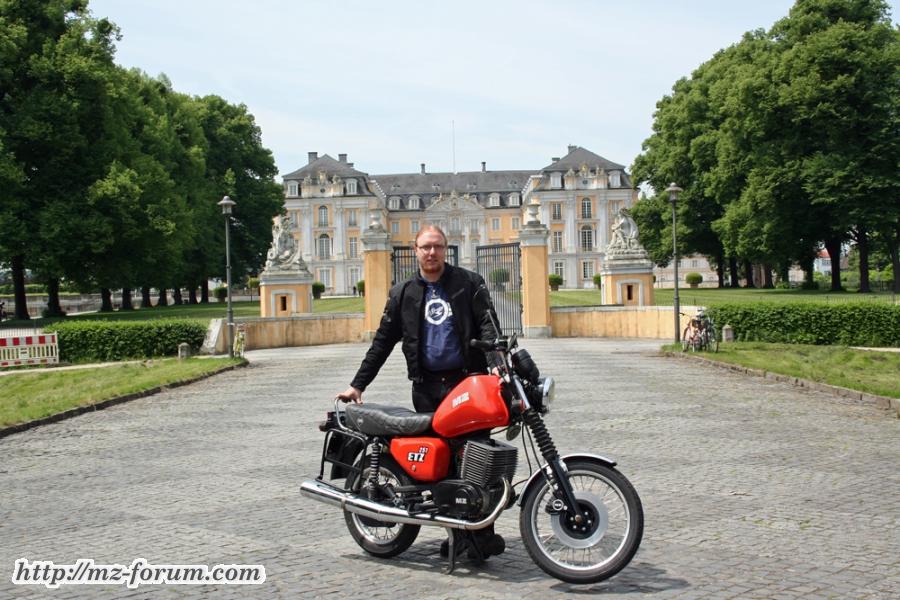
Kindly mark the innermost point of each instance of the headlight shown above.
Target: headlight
(548, 393)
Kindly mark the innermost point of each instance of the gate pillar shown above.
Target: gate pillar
(535, 288)
(376, 273)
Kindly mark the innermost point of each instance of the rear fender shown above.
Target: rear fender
(537, 478)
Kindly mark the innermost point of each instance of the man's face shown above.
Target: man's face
(430, 252)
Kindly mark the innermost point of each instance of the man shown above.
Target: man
(435, 314)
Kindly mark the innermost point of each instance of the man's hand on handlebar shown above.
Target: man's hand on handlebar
(351, 394)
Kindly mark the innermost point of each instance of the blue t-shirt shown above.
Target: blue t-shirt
(440, 349)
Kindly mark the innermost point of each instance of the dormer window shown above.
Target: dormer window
(292, 188)
(494, 200)
(555, 180)
(413, 203)
(351, 187)
(436, 187)
(615, 179)
(394, 203)
(514, 199)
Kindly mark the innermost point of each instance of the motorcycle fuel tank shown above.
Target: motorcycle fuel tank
(475, 403)
(423, 458)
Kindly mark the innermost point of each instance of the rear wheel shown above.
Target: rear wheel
(378, 537)
(598, 547)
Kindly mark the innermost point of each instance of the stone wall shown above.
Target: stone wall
(655, 322)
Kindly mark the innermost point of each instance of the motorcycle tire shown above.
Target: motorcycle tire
(599, 549)
(378, 538)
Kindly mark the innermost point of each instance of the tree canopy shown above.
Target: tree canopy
(785, 142)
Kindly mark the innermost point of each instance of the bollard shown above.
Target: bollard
(727, 334)
(184, 350)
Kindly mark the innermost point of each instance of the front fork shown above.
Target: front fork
(554, 471)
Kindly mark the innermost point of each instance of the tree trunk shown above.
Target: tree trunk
(126, 299)
(192, 296)
(809, 270)
(748, 274)
(767, 277)
(862, 246)
(163, 298)
(176, 296)
(833, 246)
(784, 273)
(720, 268)
(146, 300)
(204, 291)
(733, 271)
(53, 307)
(893, 250)
(106, 300)
(18, 273)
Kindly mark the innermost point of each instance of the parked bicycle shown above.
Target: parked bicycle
(700, 335)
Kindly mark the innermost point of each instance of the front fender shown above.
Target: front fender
(536, 477)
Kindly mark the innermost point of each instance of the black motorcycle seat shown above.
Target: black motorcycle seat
(381, 419)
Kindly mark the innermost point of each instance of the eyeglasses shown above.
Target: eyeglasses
(428, 248)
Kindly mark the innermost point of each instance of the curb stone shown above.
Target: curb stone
(882, 402)
(80, 410)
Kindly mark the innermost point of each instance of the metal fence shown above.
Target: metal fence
(500, 266)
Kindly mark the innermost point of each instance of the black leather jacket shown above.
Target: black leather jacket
(404, 313)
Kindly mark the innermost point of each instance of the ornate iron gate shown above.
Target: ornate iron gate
(500, 266)
(404, 265)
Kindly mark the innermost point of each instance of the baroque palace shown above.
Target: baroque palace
(330, 203)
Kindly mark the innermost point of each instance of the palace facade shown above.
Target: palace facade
(330, 203)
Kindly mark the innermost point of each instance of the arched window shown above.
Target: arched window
(586, 209)
(323, 216)
(324, 247)
(587, 239)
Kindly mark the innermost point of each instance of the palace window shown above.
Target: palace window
(394, 203)
(587, 239)
(515, 223)
(586, 209)
(556, 211)
(559, 268)
(323, 216)
(354, 247)
(292, 188)
(474, 227)
(514, 199)
(587, 269)
(557, 241)
(324, 247)
(494, 200)
(395, 227)
(351, 217)
(351, 187)
(325, 277)
(414, 227)
(495, 224)
(615, 179)
(555, 180)
(413, 203)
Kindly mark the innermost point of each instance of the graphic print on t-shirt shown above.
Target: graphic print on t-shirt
(437, 310)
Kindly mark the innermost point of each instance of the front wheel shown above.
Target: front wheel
(595, 549)
(379, 538)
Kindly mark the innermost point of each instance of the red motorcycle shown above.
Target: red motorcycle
(581, 520)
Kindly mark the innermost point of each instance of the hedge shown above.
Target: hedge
(846, 324)
(120, 340)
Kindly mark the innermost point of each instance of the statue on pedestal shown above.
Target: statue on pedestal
(284, 254)
(624, 235)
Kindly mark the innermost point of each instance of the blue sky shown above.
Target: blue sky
(389, 82)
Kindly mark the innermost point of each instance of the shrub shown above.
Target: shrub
(317, 288)
(220, 293)
(361, 287)
(91, 341)
(499, 276)
(253, 283)
(555, 280)
(598, 280)
(693, 279)
(849, 324)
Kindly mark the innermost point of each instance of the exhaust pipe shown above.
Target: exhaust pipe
(323, 492)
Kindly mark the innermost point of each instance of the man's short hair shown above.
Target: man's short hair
(434, 228)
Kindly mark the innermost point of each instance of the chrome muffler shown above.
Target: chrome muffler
(323, 492)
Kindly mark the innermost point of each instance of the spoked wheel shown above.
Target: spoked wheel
(377, 537)
(598, 547)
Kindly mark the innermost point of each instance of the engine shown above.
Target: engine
(484, 465)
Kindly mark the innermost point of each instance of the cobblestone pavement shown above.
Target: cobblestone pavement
(751, 488)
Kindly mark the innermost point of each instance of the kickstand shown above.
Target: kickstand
(460, 541)
(453, 538)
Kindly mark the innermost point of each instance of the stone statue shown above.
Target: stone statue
(284, 254)
(624, 235)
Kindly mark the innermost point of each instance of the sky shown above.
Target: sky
(397, 83)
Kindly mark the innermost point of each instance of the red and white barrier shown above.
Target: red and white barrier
(41, 349)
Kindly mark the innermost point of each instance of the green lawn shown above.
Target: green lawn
(708, 296)
(26, 396)
(866, 371)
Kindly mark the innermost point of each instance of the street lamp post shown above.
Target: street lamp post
(227, 204)
(674, 190)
